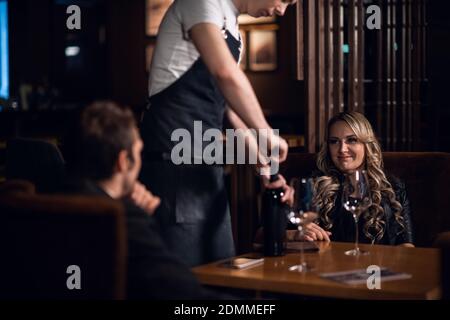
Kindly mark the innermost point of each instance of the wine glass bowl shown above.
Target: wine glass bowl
(356, 206)
(301, 219)
(300, 214)
(356, 199)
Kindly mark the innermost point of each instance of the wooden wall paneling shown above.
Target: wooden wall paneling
(341, 61)
(311, 57)
(380, 80)
(300, 41)
(409, 68)
(405, 56)
(328, 49)
(391, 74)
(352, 56)
(320, 72)
(400, 75)
(324, 62)
(387, 77)
(423, 81)
(393, 53)
(415, 68)
(361, 62)
(338, 56)
(403, 139)
(405, 76)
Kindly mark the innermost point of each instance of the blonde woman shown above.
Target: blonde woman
(350, 144)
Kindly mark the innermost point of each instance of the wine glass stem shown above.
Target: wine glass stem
(356, 233)
(302, 257)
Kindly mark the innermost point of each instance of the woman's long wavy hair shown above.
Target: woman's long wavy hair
(327, 187)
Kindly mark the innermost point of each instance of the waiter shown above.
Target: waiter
(195, 77)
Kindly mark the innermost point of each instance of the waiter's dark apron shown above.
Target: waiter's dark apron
(194, 211)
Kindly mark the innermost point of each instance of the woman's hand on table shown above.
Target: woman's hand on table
(311, 232)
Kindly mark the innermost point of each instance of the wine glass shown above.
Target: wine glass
(356, 199)
(301, 215)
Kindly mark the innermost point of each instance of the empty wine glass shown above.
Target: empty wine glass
(356, 199)
(301, 215)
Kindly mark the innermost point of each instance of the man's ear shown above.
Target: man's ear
(123, 162)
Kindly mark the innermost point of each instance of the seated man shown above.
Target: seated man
(107, 163)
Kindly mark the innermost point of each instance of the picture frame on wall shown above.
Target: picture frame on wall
(262, 50)
(155, 11)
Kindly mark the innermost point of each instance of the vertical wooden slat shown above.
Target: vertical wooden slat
(403, 74)
(394, 82)
(414, 47)
(380, 80)
(408, 58)
(360, 59)
(320, 68)
(388, 77)
(328, 59)
(422, 75)
(310, 49)
(300, 44)
(390, 48)
(416, 76)
(338, 57)
(334, 51)
(352, 56)
(341, 70)
(424, 40)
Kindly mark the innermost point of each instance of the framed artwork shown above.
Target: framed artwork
(245, 19)
(155, 11)
(244, 56)
(149, 55)
(262, 53)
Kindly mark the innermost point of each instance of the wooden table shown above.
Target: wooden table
(273, 275)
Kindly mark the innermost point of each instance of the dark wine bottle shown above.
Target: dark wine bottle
(274, 218)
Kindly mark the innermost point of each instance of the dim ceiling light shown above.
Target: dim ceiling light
(72, 51)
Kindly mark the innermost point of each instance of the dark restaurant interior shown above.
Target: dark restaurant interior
(305, 68)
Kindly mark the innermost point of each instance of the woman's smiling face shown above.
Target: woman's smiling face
(346, 151)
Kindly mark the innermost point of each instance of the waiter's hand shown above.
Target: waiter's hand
(144, 199)
(274, 141)
(268, 162)
(280, 183)
(282, 147)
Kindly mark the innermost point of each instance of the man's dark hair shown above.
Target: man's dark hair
(104, 130)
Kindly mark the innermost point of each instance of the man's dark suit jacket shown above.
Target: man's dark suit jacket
(153, 272)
